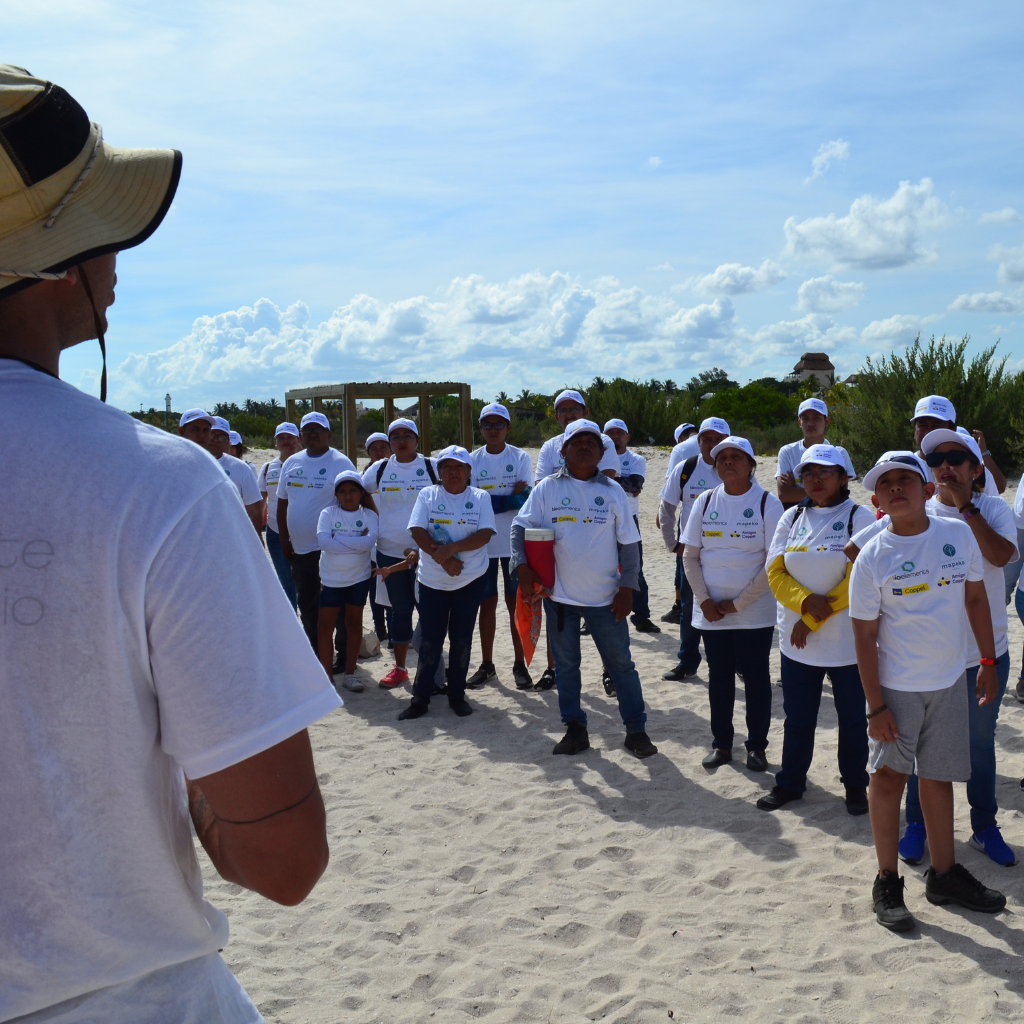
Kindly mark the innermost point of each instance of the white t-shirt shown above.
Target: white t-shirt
(734, 541)
(460, 516)
(497, 475)
(345, 540)
(400, 484)
(1018, 505)
(590, 519)
(267, 481)
(915, 587)
(702, 479)
(683, 451)
(307, 484)
(791, 454)
(550, 460)
(243, 476)
(812, 544)
(115, 677)
(631, 464)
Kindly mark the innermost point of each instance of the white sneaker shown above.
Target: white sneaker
(354, 684)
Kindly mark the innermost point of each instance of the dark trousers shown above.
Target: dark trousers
(401, 587)
(745, 651)
(689, 637)
(306, 574)
(641, 596)
(281, 566)
(450, 613)
(381, 613)
(801, 699)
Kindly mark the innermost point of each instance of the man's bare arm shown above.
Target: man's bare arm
(255, 511)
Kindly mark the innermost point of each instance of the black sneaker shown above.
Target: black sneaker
(461, 707)
(778, 797)
(575, 739)
(890, 910)
(756, 761)
(547, 680)
(672, 615)
(857, 799)
(608, 683)
(483, 675)
(521, 674)
(644, 625)
(958, 885)
(679, 673)
(640, 744)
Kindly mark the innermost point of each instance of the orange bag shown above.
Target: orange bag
(528, 621)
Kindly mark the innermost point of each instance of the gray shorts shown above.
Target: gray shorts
(934, 735)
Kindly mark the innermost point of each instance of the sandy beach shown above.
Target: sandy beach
(474, 875)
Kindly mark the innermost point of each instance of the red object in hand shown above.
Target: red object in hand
(540, 554)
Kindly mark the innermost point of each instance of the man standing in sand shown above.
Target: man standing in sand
(240, 473)
(117, 683)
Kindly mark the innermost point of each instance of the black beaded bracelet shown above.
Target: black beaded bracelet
(877, 711)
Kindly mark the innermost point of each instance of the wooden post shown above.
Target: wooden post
(290, 415)
(466, 416)
(389, 412)
(425, 447)
(351, 440)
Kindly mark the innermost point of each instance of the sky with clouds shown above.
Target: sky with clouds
(534, 193)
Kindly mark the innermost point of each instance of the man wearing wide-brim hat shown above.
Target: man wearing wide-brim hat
(145, 639)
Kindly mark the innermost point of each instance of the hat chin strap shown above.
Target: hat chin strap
(100, 330)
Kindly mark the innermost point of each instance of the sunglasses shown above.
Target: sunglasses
(955, 458)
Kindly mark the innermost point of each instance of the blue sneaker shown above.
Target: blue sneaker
(990, 842)
(912, 843)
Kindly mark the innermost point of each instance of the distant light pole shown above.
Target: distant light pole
(167, 408)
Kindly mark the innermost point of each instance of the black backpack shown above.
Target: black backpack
(808, 503)
(429, 465)
(688, 467)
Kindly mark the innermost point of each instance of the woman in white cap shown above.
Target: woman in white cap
(397, 482)
(286, 441)
(686, 445)
(451, 524)
(346, 532)
(934, 412)
(812, 415)
(377, 448)
(725, 545)
(808, 572)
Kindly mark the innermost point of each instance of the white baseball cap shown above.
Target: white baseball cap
(191, 415)
(681, 428)
(453, 453)
(936, 406)
(890, 460)
(287, 428)
(812, 404)
(234, 437)
(822, 455)
(495, 409)
(570, 396)
(376, 436)
(616, 425)
(934, 438)
(740, 443)
(715, 423)
(219, 423)
(401, 423)
(316, 417)
(581, 427)
(348, 474)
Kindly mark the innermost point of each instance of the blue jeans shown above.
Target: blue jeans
(281, 566)
(402, 595)
(689, 637)
(981, 790)
(612, 641)
(1018, 603)
(1011, 571)
(801, 699)
(745, 651)
(450, 613)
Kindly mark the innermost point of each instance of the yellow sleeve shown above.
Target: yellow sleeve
(787, 591)
(841, 593)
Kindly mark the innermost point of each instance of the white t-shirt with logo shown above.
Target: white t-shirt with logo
(681, 452)
(115, 679)
(460, 516)
(591, 519)
(914, 586)
(345, 540)
(267, 481)
(734, 541)
(307, 484)
(812, 541)
(400, 484)
(791, 454)
(498, 474)
(702, 479)
(550, 460)
(631, 464)
(243, 476)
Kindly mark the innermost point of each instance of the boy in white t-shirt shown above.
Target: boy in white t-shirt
(913, 588)
(813, 417)
(287, 443)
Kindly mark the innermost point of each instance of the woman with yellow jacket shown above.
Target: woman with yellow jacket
(808, 573)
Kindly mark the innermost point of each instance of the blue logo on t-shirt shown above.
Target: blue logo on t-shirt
(909, 566)
(837, 526)
(359, 522)
(948, 549)
(599, 501)
(747, 513)
(469, 504)
(322, 471)
(565, 501)
(419, 472)
(441, 508)
(509, 468)
(714, 515)
(483, 472)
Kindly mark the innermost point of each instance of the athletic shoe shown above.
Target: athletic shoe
(1019, 689)
(547, 680)
(990, 841)
(890, 909)
(912, 843)
(608, 683)
(756, 761)
(778, 797)
(857, 800)
(672, 615)
(575, 739)
(679, 674)
(959, 886)
(354, 683)
(640, 744)
(461, 707)
(521, 674)
(396, 677)
(717, 757)
(411, 711)
(484, 674)
(584, 629)
(644, 625)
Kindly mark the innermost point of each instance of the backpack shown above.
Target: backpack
(807, 503)
(764, 501)
(688, 467)
(427, 462)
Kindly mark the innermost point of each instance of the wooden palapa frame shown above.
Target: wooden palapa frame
(348, 393)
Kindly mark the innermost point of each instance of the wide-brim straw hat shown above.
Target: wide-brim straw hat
(66, 196)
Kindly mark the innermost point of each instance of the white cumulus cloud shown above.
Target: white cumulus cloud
(987, 302)
(827, 295)
(1007, 215)
(735, 279)
(875, 235)
(896, 330)
(827, 152)
(1011, 262)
